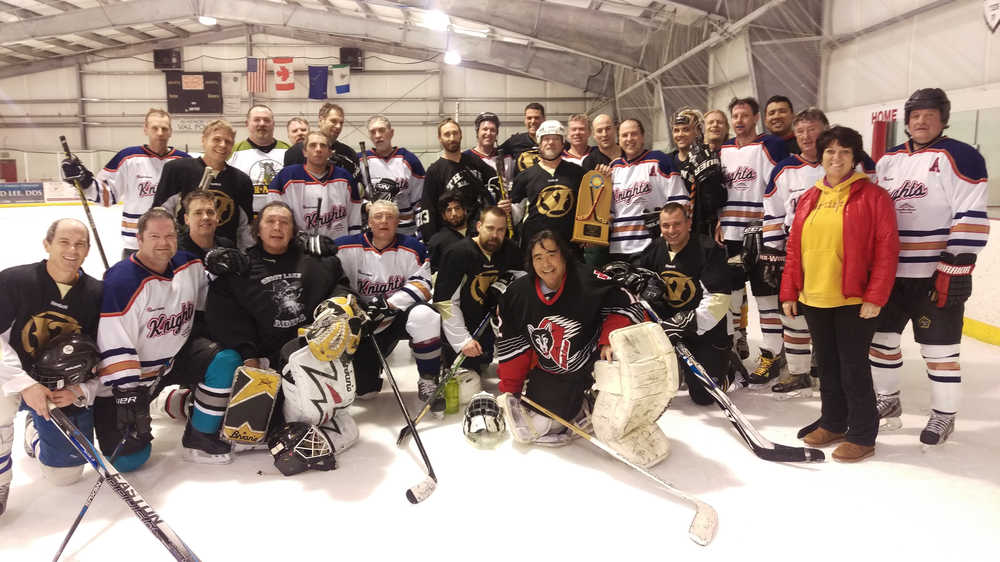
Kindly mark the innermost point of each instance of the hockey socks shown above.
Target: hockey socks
(211, 397)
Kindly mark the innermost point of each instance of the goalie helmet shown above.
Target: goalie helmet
(484, 426)
(298, 447)
(336, 330)
(692, 117)
(68, 359)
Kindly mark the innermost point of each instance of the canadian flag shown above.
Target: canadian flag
(284, 76)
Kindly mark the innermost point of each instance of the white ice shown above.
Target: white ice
(529, 503)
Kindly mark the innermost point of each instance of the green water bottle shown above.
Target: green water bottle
(451, 396)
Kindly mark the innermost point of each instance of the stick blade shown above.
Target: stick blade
(403, 434)
(704, 524)
(421, 491)
(784, 453)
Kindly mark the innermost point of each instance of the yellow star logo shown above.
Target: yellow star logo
(261, 382)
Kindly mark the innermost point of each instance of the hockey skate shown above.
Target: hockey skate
(203, 448)
(30, 435)
(768, 368)
(791, 385)
(889, 411)
(4, 492)
(938, 428)
(425, 389)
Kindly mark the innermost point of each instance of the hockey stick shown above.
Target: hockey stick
(705, 521)
(758, 443)
(421, 491)
(440, 389)
(100, 479)
(126, 491)
(86, 205)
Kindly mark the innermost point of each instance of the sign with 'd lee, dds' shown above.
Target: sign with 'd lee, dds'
(21, 192)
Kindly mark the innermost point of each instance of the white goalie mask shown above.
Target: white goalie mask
(484, 426)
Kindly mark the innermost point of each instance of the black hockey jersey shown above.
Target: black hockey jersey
(440, 242)
(523, 149)
(468, 177)
(342, 155)
(697, 278)
(257, 313)
(551, 198)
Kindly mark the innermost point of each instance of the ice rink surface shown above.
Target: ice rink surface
(530, 503)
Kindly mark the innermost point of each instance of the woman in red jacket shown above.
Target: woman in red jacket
(840, 266)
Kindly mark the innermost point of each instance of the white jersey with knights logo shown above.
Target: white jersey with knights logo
(640, 186)
(406, 173)
(146, 317)
(746, 170)
(131, 177)
(400, 272)
(335, 193)
(262, 167)
(940, 196)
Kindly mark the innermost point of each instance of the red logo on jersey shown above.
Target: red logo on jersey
(163, 324)
(368, 287)
(637, 189)
(934, 166)
(741, 177)
(909, 190)
(551, 339)
(147, 188)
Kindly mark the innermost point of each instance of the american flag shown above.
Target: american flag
(256, 75)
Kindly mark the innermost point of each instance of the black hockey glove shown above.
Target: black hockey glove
(706, 165)
(651, 221)
(753, 241)
(617, 271)
(654, 288)
(132, 417)
(680, 325)
(74, 171)
(316, 244)
(386, 189)
(953, 279)
(772, 264)
(496, 290)
(378, 311)
(226, 261)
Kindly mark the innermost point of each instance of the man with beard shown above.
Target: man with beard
(460, 172)
(554, 323)
(232, 188)
(606, 135)
(778, 116)
(260, 155)
(297, 128)
(454, 227)
(578, 132)
(523, 147)
(549, 188)
(460, 293)
(323, 197)
(201, 219)
(331, 124)
(39, 302)
(396, 174)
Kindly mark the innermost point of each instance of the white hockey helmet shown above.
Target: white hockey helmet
(550, 127)
(484, 425)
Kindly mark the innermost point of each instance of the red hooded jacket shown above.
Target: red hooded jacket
(871, 244)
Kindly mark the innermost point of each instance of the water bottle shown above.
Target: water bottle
(451, 396)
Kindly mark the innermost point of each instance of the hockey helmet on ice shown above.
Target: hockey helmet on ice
(68, 359)
(298, 447)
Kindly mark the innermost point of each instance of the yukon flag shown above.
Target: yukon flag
(284, 76)
(341, 77)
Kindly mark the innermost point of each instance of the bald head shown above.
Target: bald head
(60, 226)
(605, 132)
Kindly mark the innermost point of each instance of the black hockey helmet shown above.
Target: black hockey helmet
(927, 98)
(298, 447)
(487, 116)
(68, 359)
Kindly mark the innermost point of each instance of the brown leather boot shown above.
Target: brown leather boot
(852, 452)
(819, 437)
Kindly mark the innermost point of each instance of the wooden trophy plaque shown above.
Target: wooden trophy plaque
(593, 210)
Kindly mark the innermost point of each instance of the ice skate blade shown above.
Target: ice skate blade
(197, 456)
(890, 424)
(802, 393)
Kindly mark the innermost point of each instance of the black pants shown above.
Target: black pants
(711, 350)
(840, 340)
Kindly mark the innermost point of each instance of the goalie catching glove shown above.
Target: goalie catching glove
(337, 328)
(953, 279)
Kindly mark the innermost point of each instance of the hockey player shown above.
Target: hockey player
(468, 269)
(457, 171)
(391, 275)
(554, 323)
(716, 129)
(523, 147)
(324, 198)
(487, 126)
(232, 188)
(454, 227)
(939, 186)
(130, 177)
(643, 182)
(40, 302)
(577, 135)
(331, 123)
(260, 155)
(297, 128)
(201, 219)
(778, 117)
(701, 172)
(607, 149)
(693, 305)
(747, 162)
(148, 329)
(547, 191)
(396, 174)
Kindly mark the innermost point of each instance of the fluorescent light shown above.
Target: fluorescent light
(437, 20)
(207, 20)
(451, 56)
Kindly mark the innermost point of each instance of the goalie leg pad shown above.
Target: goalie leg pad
(314, 389)
(634, 391)
(341, 430)
(251, 404)
(529, 426)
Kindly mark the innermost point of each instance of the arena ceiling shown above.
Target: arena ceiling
(577, 42)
